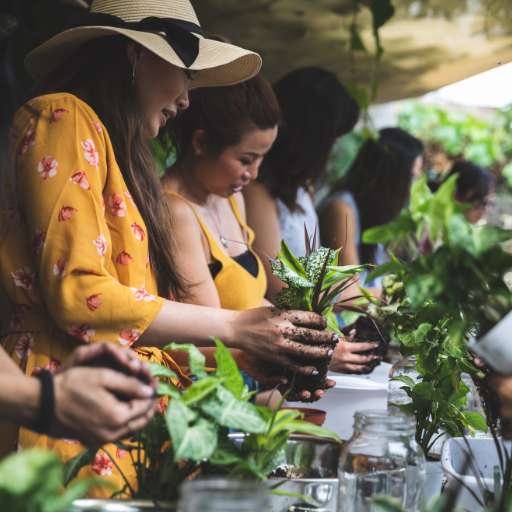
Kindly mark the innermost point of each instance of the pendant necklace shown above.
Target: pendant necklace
(223, 240)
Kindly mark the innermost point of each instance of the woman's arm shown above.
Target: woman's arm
(338, 230)
(262, 217)
(191, 259)
(111, 406)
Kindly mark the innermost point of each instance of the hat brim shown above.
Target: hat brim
(217, 64)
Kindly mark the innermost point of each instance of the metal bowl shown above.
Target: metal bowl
(305, 457)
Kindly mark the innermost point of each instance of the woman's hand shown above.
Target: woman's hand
(283, 338)
(503, 387)
(349, 357)
(269, 379)
(99, 404)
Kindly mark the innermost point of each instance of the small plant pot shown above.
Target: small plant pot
(315, 416)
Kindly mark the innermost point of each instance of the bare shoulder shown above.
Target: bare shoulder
(336, 210)
(183, 215)
(258, 193)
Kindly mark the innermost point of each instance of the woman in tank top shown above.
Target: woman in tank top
(221, 140)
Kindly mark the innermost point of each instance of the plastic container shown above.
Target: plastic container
(381, 459)
(484, 459)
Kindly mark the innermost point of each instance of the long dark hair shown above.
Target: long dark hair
(108, 90)
(380, 180)
(226, 114)
(316, 110)
(474, 183)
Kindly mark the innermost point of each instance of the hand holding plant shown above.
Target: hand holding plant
(314, 283)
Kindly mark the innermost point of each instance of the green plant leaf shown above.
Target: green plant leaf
(232, 413)
(304, 427)
(387, 504)
(200, 390)
(196, 360)
(158, 370)
(165, 389)
(227, 370)
(403, 225)
(475, 420)
(191, 439)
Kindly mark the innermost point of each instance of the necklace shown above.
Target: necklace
(223, 240)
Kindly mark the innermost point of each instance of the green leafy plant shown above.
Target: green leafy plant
(191, 436)
(462, 135)
(448, 285)
(314, 282)
(33, 481)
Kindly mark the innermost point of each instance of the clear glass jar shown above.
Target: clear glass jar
(396, 395)
(381, 458)
(223, 495)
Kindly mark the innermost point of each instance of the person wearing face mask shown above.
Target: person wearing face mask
(221, 141)
(87, 250)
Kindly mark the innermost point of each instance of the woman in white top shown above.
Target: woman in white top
(316, 109)
(373, 193)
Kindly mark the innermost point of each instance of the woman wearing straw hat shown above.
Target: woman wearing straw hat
(86, 253)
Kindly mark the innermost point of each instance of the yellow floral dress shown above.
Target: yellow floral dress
(74, 260)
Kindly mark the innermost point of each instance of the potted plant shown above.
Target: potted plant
(190, 437)
(314, 282)
(449, 287)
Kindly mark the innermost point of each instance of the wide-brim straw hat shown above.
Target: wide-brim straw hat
(212, 62)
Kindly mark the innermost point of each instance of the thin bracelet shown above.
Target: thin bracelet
(46, 411)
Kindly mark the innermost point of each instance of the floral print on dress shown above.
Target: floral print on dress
(59, 268)
(128, 337)
(38, 241)
(120, 453)
(58, 114)
(117, 205)
(66, 212)
(94, 302)
(124, 258)
(101, 245)
(138, 232)
(24, 278)
(102, 465)
(29, 139)
(98, 127)
(82, 332)
(90, 154)
(80, 178)
(47, 167)
(24, 346)
(141, 295)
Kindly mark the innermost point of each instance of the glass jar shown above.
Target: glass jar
(396, 395)
(223, 495)
(381, 459)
